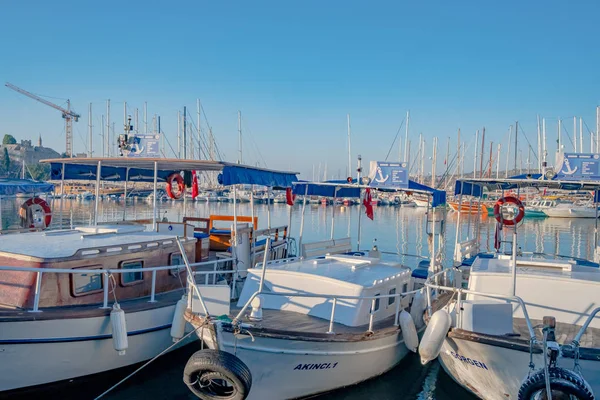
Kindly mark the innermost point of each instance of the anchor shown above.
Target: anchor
(568, 170)
(381, 179)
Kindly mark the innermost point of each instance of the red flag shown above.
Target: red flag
(367, 201)
(290, 198)
(194, 185)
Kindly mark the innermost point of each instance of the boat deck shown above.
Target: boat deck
(92, 310)
(277, 320)
(565, 333)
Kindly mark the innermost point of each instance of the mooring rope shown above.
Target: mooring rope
(148, 362)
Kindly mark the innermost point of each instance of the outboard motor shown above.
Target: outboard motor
(553, 382)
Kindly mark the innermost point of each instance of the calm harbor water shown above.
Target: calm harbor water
(401, 230)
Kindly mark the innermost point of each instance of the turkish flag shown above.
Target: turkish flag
(289, 197)
(194, 185)
(367, 202)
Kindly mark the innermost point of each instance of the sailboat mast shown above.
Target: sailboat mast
(575, 134)
(482, 152)
(198, 128)
(508, 151)
(475, 154)
(539, 144)
(435, 141)
(349, 149)
(185, 154)
(90, 130)
(406, 136)
(240, 160)
(498, 162)
(516, 136)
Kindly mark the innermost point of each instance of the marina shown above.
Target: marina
(289, 201)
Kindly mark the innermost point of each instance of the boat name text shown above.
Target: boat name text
(316, 366)
(470, 361)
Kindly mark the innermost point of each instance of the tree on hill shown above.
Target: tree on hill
(6, 162)
(9, 139)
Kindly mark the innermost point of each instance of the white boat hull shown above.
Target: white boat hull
(45, 351)
(575, 212)
(287, 368)
(496, 373)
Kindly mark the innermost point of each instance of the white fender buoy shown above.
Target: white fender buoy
(409, 332)
(178, 324)
(433, 338)
(418, 308)
(119, 329)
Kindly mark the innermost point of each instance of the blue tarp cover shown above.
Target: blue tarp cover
(475, 187)
(235, 174)
(113, 174)
(327, 190)
(14, 186)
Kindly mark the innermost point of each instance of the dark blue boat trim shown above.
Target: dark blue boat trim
(80, 338)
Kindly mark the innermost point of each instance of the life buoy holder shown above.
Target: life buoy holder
(180, 186)
(509, 200)
(30, 213)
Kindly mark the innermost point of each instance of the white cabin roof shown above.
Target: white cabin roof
(362, 271)
(551, 268)
(66, 242)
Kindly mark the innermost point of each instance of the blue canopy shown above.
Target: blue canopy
(240, 174)
(346, 189)
(326, 189)
(14, 186)
(474, 187)
(142, 170)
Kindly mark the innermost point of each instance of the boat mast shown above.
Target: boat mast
(458, 145)
(435, 141)
(199, 132)
(178, 134)
(598, 129)
(108, 128)
(559, 136)
(145, 118)
(482, 152)
(581, 134)
(498, 162)
(475, 153)
(539, 144)
(90, 130)
(508, 151)
(406, 136)
(575, 134)
(240, 160)
(544, 149)
(137, 120)
(185, 154)
(349, 149)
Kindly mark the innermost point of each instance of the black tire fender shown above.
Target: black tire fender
(209, 364)
(561, 380)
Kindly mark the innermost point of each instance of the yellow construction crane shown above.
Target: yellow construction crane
(67, 114)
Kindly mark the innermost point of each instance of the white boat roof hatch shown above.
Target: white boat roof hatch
(65, 243)
(362, 271)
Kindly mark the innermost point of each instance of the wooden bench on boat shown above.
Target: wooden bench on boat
(317, 249)
(220, 238)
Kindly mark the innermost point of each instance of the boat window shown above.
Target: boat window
(376, 308)
(131, 277)
(175, 259)
(405, 288)
(83, 284)
(391, 300)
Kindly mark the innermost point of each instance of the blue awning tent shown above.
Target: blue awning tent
(142, 170)
(10, 187)
(346, 189)
(241, 174)
(326, 189)
(475, 187)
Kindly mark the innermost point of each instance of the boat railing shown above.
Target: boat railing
(334, 300)
(587, 323)
(431, 285)
(108, 272)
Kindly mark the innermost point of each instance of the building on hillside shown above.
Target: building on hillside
(26, 151)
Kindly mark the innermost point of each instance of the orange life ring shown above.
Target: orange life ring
(509, 200)
(180, 185)
(30, 210)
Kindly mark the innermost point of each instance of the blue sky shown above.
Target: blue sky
(295, 69)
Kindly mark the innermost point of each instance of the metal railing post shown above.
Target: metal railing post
(38, 287)
(371, 316)
(332, 315)
(105, 300)
(398, 300)
(152, 300)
